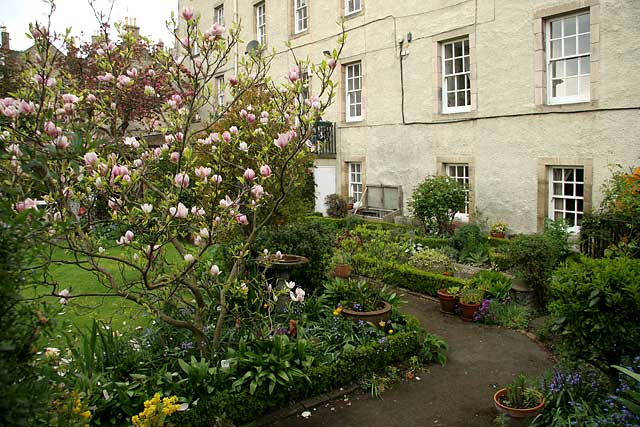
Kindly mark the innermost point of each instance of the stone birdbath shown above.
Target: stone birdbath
(282, 267)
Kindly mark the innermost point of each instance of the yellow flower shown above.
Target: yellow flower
(390, 331)
(337, 311)
(86, 414)
(381, 323)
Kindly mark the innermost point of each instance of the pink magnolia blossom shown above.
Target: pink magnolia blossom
(243, 113)
(233, 130)
(204, 233)
(331, 63)
(187, 13)
(27, 203)
(315, 103)
(14, 149)
(265, 170)
(226, 136)
(294, 74)
(298, 295)
(241, 219)
(233, 80)
(51, 81)
(249, 174)
(137, 163)
(124, 81)
(151, 72)
(264, 117)
(181, 180)
(189, 258)
(279, 255)
(51, 129)
(106, 78)
(257, 191)
(131, 142)
(180, 211)
(243, 146)
(91, 98)
(283, 140)
(251, 118)
(174, 157)
(27, 107)
(217, 179)
(146, 207)
(169, 139)
(62, 142)
(226, 202)
(202, 172)
(37, 79)
(215, 270)
(196, 211)
(113, 205)
(179, 136)
(69, 98)
(132, 72)
(126, 239)
(215, 136)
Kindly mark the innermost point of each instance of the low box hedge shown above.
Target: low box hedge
(242, 407)
(405, 276)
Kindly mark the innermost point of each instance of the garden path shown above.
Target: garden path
(480, 358)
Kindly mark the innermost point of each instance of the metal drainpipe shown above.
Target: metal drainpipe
(235, 62)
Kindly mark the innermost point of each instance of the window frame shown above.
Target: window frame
(571, 99)
(354, 194)
(466, 72)
(219, 80)
(355, 10)
(260, 12)
(218, 14)
(298, 7)
(466, 181)
(551, 209)
(348, 117)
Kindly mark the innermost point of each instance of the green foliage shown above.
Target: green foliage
(472, 244)
(622, 193)
(506, 314)
(630, 398)
(495, 284)
(359, 295)
(311, 239)
(534, 257)
(432, 260)
(521, 395)
(471, 295)
(595, 304)
(405, 276)
(436, 201)
(499, 259)
(336, 206)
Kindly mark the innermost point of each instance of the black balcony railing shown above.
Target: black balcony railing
(324, 137)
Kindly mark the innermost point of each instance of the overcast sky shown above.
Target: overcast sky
(151, 16)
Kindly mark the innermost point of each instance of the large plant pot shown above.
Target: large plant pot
(342, 270)
(383, 314)
(497, 235)
(447, 301)
(468, 311)
(514, 412)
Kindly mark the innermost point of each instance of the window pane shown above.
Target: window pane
(461, 82)
(580, 205)
(461, 100)
(556, 48)
(458, 48)
(556, 29)
(571, 205)
(448, 51)
(451, 85)
(557, 189)
(358, 110)
(585, 65)
(583, 23)
(570, 220)
(571, 86)
(459, 65)
(557, 88)
(558, 204)
(584, 43)
(467, 64)
(448, 66)
(569, 26)
(466, 46)
(568, 174)
(569, 46)
(585, 85)
(468, 97)
(358, 97)
(451, 99)
(558, 215)
(557, 174)
(568, 189)
(557, 69)
(572, 67)
(580, 190)
(580, 175)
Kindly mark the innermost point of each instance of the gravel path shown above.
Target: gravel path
(480, 359)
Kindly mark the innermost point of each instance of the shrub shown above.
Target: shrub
(336, 206)
(595, 304)
(472, 244)
(495, 284)
(431, 260)
(311, 239)
(533, 258)
(436, 201)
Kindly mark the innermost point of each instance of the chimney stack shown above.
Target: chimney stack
(5, 38)
(131, 26)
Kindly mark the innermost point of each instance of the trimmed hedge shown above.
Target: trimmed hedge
(432, 242)
(241, 407)
(405, 276)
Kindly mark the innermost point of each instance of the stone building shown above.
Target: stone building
(526, 102)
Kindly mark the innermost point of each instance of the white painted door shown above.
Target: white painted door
(325, 177)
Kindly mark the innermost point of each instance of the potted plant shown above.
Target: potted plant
(470, 299)
(448, 298)
(519, 399)
(342, 264)
(498, 229)
(361, 300)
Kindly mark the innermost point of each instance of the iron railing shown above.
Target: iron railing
(324, 136)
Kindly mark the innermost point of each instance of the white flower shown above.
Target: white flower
(51, 352)
(131, 142)
(179, 212)
(189, 258)
(215, 270)
(64, 294)
(298, 296)
(290, 285)
(305, 414)
(100, 250)
(279, 255)
(146, 207)
(204, 233)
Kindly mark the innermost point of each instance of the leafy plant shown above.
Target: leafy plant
(436, 201)
(499, 227)
(595, 304)
(495, 284)
(432, 260)
(521, 395)
(359, 295)
(470, 295)
(506, 314)
(336, 206)
(472, 244)
(630, 398)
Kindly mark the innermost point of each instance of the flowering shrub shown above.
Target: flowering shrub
(156, 411)
(67, 152)
(432, 260)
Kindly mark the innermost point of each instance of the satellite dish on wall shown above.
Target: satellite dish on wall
(252, 46)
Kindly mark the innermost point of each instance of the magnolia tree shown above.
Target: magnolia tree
(71, 169)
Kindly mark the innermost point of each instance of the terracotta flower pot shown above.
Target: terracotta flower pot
(447, 301)
(497, 235)
(383, 314)
(516, 412)
(468, 311)
(342, 270)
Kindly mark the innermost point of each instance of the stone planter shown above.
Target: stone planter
(342, 270)
(522, 293)
(383, 314)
